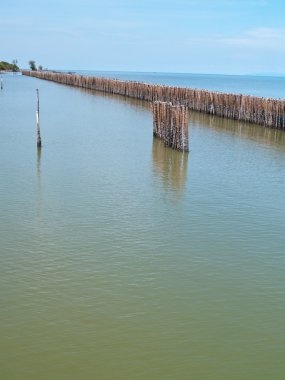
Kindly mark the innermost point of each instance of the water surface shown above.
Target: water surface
(122, 259)
(264, 86)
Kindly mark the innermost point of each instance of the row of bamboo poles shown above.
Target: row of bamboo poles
(264, 111)
(170, 123)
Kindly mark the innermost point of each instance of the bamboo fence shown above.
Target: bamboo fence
(170, 123)
(264, 111)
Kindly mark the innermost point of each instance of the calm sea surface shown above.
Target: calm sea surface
(121, 259)
(268, 87)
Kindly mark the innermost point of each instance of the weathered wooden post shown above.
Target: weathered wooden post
(39, 140)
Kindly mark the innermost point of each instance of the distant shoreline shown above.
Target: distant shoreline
(8, 67)
(9, 71)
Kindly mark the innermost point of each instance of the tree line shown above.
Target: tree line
(6, 66)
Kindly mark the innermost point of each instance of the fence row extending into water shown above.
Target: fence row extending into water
(263, 111)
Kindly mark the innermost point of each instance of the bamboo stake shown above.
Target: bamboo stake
(171, 125)
(39, 140)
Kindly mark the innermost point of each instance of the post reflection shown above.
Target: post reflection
(170, 166)
(39, 155)
(38, 175)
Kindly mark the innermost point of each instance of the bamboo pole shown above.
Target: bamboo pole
(39, 140)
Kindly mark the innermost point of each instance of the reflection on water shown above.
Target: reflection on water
(39, 155)
(102, 277)
(170, 166)
(238, 128)
(38, 185)
(242, 129)
(137, 103)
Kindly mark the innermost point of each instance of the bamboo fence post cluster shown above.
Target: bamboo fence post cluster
(264, 111)
(170, 124)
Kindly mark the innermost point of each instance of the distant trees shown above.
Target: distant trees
(32, 65)
(6, 66)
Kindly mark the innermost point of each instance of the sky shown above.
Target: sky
(183, 36)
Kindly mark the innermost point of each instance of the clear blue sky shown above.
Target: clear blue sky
(196, 36)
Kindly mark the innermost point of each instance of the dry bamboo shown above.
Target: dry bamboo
(39, 140)
(264, 111)
(171, 125)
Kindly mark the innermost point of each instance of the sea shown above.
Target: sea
(263, 86)
(123, 259)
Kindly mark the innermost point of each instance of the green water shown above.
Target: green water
(121, 259)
